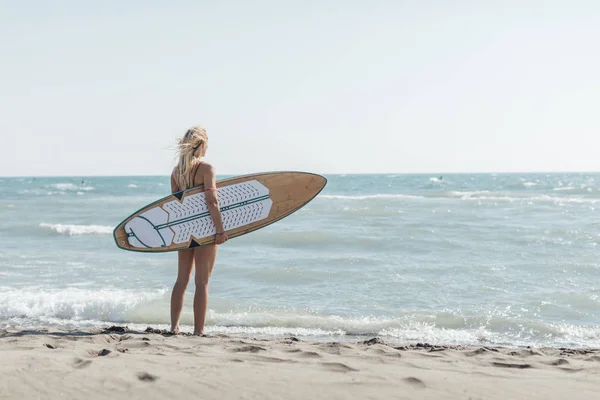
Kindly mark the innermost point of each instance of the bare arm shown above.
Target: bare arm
(174, 188)
(210, 190)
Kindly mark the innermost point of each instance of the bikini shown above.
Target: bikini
(194, 174)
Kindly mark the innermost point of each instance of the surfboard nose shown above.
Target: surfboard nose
(310, 182)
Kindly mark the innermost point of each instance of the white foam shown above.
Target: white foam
(64, 187)
(132, 185)
(477, 195)
(467, 194)
(511, 197)
(529, 184)
(542, 198)
(564, 188)
(72, 303)
(77, 229)
(372, 197)
(98, 307)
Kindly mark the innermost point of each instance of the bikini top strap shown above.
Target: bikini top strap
(194, 171)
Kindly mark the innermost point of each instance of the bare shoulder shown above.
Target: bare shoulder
(205, 167)
(204, 170)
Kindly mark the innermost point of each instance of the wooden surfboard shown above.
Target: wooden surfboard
(182, 221)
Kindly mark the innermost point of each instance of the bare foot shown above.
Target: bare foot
(175, 331)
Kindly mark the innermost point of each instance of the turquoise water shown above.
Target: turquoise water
(510, 259)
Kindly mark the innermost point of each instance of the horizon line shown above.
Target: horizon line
(321, 173)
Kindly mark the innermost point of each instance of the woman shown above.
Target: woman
(191, 171)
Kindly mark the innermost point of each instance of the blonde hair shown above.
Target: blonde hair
(187, 145)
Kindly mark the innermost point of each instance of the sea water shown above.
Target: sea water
(495, 259)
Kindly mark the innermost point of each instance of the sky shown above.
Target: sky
(105, 88)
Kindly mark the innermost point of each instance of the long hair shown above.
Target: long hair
(187, 145)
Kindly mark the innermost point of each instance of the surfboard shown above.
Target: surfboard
(182, 221)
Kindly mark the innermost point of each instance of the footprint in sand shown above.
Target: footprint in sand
(338, 367)
(101, 353)
(269, 359)
(309, 354)
(146, 377)
(415, 382)
(136, 345)
(479, 351)
(571, 370)
(249, 349)
(560, 361)
(334, 348)
(79, 363)
(111, 338)
(384, 351)
(524, 353)
(511, 365)
(593, 358)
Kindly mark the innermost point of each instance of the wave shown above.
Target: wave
(542, 198)
(132, 185)
(73, 304)
(478, 195)
(85, 308)
(77, 229)
(465, 194)
(378, 196)
(511, 197)
(70, 187)
(372, 211)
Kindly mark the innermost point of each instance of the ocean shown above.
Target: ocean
(492, 259)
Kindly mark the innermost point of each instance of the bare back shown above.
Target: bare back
(203, 174)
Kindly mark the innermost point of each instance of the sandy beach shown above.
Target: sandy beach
(123, 364)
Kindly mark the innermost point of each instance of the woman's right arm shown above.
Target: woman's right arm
(174, 188)
(212, 202)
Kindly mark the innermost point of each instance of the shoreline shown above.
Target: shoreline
(127, 364)
(341, 340)
(352, 338)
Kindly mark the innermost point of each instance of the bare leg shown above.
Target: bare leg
(184, 271)
(205, 261)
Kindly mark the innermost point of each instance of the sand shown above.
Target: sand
(122, 364)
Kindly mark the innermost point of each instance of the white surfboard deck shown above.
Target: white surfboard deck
(182, 220)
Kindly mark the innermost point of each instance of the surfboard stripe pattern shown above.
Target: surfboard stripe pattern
(181, 221)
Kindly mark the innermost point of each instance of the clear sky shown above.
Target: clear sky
(354, 86)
